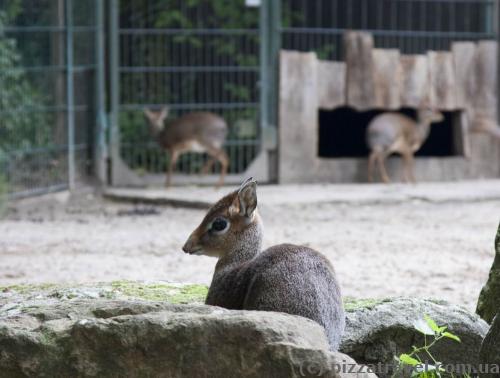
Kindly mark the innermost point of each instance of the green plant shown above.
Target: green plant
(418, 359)
(3, 194)
(21, 126)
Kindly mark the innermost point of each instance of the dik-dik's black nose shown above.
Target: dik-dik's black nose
(190, 246)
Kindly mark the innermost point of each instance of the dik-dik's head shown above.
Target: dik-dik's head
(231, 225)
(156, 119)
(430, 116)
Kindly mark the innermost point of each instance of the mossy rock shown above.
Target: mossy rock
(157, 291)
(25, 296)
(162, 291)
(353, 304)
(488, 304)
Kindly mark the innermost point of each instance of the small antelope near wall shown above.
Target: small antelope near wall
(391, 133)
(460, 84)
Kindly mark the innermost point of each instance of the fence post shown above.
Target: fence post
(274, 46)
(270, 13)
(264, 68)
(496, 30)
(100, 149)
(70, 94)
(114, 88)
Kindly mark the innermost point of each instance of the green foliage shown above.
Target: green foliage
(325, 51)
(20, 126)
(3, 194)
(10, 9)
(417, 359)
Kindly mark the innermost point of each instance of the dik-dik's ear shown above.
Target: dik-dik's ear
(163, 113)
(247, 198)
(148, 113)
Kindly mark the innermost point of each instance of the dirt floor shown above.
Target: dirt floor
(414, 248)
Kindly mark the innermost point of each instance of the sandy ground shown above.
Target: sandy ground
(414, 248)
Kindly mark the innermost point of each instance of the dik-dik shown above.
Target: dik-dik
(391, 133)
(192, 132)
(286, 278)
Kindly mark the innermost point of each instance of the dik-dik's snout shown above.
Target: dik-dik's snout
(191, 246)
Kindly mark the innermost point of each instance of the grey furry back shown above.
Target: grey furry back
(298, 281)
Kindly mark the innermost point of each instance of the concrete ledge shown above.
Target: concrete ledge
(361, 194)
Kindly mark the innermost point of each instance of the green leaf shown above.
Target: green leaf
(452, 336)
(431, 323)
(442, 329)
(408, 360)
(421, 326)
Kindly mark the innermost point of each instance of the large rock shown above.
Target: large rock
(490, 350)
(488, 304)
(162, 329)
(376, 331)
(88, 332)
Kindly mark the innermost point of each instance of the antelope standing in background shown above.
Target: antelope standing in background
(391, 133)
(192, 132)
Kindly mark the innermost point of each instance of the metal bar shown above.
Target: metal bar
(403, 33)
(47, 29)
(41, 150)
(229, 142)
(496, 29)
(37, 192)
(264, 68)
(187, 69)
(114, 57)
(44, 109)
(100, 151)
(193, 106)
(70, 94)
(76, 69)
(447, 1)
(146, 31)
(275, 46)
(489, 17)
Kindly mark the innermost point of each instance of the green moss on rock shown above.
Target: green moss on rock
(28, 288)
(174, 293)
(168, 292)
(353, 304)
(489, 299)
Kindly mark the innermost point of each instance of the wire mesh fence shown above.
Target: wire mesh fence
(413, 26)
(191, 56)
(46, 71)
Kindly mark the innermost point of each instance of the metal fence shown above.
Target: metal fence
(189, 55)
(413, 26)
(218, 55)
(47, 68)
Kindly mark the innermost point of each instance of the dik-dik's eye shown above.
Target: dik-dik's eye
(219, 225)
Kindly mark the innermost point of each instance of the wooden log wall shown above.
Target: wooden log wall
(464, 78)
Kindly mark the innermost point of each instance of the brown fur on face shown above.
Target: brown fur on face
(239, 208)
